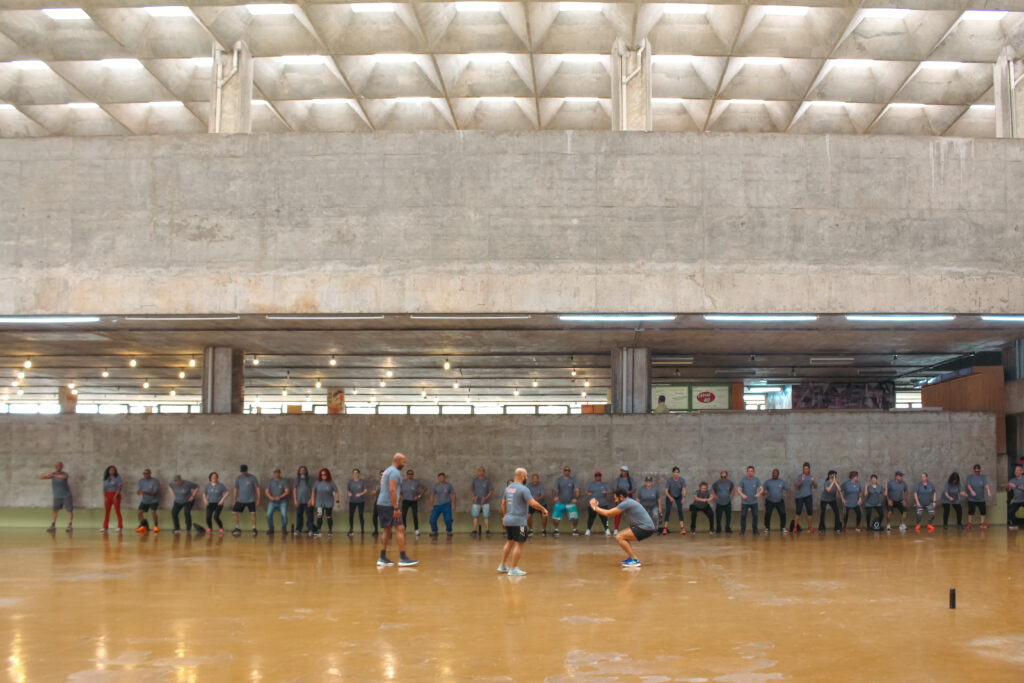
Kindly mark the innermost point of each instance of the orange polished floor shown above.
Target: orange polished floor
(862, 607)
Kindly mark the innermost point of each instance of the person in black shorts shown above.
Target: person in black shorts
(641, 526)
(516, 502)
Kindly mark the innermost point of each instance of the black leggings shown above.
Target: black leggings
(321, 513)
(869, 514)
(213, 514)
(591, 516)
(959, 513)
(769, 507)
(824, 505)
(352, 507)
(376, 522)
(706, 509)
(304, 513)
(846, 515)
(178, 507)
(413, 505)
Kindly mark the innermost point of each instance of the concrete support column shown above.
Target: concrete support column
(631, 86)
(231, 90)
(1009, 94)
(631, 380)
(223, 380)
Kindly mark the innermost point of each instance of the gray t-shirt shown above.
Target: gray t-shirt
(324, 491)
(773, 489)
(358, 490)
(873, 499)
(851, 492)
(723, 491)
(303, 490)
(537, 491)
(214, 492)
(895, 490)
(978, 482)
(749, 487)
(705, 503)
(112, 484)
(648, 497)
(391, 474)
(442, 493)
(277, 487)
(564, 488)
(636, 513)
(247, 484)
(61, 490)
(183, 491)
(1018, 490)
(517, 504)
(953, 491)
(481, 487)
(804, 485)
(925, 493)
(600, 490)
(150, 490)
(675, 488)
(829, 491)
(409, 489)
(624, 483)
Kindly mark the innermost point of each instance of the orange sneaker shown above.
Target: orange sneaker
(917, 528)
(984, 526)
(931, 528)
(156, 530)
(141, 529)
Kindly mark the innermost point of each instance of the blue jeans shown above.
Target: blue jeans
(744, 508)
(439, 510)
(282, 507)
(669, 501)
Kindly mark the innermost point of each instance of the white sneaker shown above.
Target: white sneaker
(607, 532)
(903, 527)
(587, 533)
(888, 527)
(616, 532)
(516, 571)
(118, 529)
(417, 532)
(103, 531)
(502, 568)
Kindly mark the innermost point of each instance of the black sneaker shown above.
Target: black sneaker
(236, 531)
(51, 529)
(254, 532)
(575, 532)
(200, 529)
(351, 534)
(544, 533)
(270, 532)
(488, 532)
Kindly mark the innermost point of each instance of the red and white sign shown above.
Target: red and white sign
(706, 397)
(711, 397)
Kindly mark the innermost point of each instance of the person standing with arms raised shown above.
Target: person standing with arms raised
(515, 504)
(390, 514)
(977, 493)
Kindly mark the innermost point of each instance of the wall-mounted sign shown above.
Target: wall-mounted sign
(710, 397)
(677, 396)
(335, 400)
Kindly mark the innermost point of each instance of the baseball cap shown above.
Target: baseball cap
(624, 468)
(648, 478)
(597, 474)
(898, 473)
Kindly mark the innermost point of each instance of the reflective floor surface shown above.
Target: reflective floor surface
(861, 607)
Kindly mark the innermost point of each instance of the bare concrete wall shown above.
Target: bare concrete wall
(535, 222)
(700, 445)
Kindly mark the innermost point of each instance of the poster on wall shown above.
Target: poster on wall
(844, 395)
(68, 400)
(710, 397)
(677, 397)
(335, 400)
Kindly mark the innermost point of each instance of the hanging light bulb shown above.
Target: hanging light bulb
(318, 384)
(583, 394)
(14, 383)
(173, 393)
(516, 392)
(255, 360)
(74, 392)
(284, 392)
(71, 385)
(21, 375)
(21, 392)
(145, 385)
(181, 375)
(389, 373)
(573, 373)
(383, 383)
(28, 364)
(467, 399)
(257, 398)
(534, 384)
(192, 362)
(455, 385)
(308, 398)
(447, 365)
(355, 391)
(586, 382)
(105, 374)
(333, 361)
(132, 363)
(423, 393)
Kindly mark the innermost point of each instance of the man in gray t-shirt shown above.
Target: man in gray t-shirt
(723, 490)
(641, 525)
(978, 493)
(650, 498)
(536, 487)
(566, 494)
(482, 491)
(442, 504)
(411, 490)
(750, 490)
(774, 501)
(602, 492)
(247, 497)
(1016, 487)
(149, 490)
(184, 495)
(277, 497)
(515, 503)
(388, 512)
(61, 495)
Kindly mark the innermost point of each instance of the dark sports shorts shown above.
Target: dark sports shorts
(65, 503)
(516, 533)
(979, 504)
(898, 506)
(641, 534)
(146, 507)
(387, 517)
(806, 502)
(239, 507)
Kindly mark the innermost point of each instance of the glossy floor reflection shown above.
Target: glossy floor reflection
(864, 607)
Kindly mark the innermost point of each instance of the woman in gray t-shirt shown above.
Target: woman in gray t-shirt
(300, 496)
(324, 497)
(356, 502)
(951, 499)
(112, 484)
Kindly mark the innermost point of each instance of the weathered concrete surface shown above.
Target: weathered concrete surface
(1014, 397)
(537, 222)
(700, 445)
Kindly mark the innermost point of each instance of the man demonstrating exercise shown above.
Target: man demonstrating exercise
(61, 495)
(977, 493)
(641, 525)
(675, 494)
(247, 497)
(804, 497)
(390, 515)
(149, 489)
(514, 506)
(896, 499)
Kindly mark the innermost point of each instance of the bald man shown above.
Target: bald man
(61, 496)
(516, 502)
(389, 515)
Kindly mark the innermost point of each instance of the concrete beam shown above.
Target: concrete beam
(631, 87)
(467, 222)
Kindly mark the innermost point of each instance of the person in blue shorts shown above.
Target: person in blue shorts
(566, 494)
(641, 526)
(516, 501)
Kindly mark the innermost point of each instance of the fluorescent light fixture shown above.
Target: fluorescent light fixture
(617, 318)
(371, 7)
(832, 360)
(900, 318)
(168, 11)
(941, 65)
(1003, 318)
(581, 99)
(885, 13)
(470, 317)
(394, 58)
(29, 64)
(48, 320)
(580, 6)
(785, 11)
(260, 103)
(302, 59)
(166, 105)
(121, 63)
(270, 10)
(758, 318)
(324, 317)
(684, 8)
(83, 105)
(66, 14)
(180, 318)
(672, 59)
(763, 61)
(205, 62)
(477, 7)
(981, 15)
(583, 57)
(763, 390)
(6, 107)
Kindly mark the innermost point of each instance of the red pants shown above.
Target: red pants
(111, 499)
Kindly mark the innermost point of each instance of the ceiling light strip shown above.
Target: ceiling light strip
(899, 318)
(48, 320)
(757, 318)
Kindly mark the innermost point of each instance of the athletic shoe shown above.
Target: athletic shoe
(616, 531)
(575, 532)
(317, 534)
(888, 527)
(555, 532)
(903, 527)
(785, 531)
(664, 532)
(118, 529)
(384, 562)
(449, 534)
(209, 532)
(103, 531)
(931, 528)
(587, 532)
(544, 533)
(407, 562)
(529, 533)
(156, 530)
(254, 532)
(503, 569)
(969, 526)
(270, 532)
(417, 532)
(608, 533)
(682, 532)
(984, 526)
(859, 530)
(433, 534)
(488, 532)
(236, 531)
(631, 563)
(221, 531)
(51, 529)
(69, 529)
(177, 531)
(917, 528)
(765, 531)
(139, 529)
(516, 571)
(625, 562)
(330, 534)
(351, 534)
(1011, 527)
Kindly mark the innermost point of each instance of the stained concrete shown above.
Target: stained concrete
(700, 444)
(532, 222)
